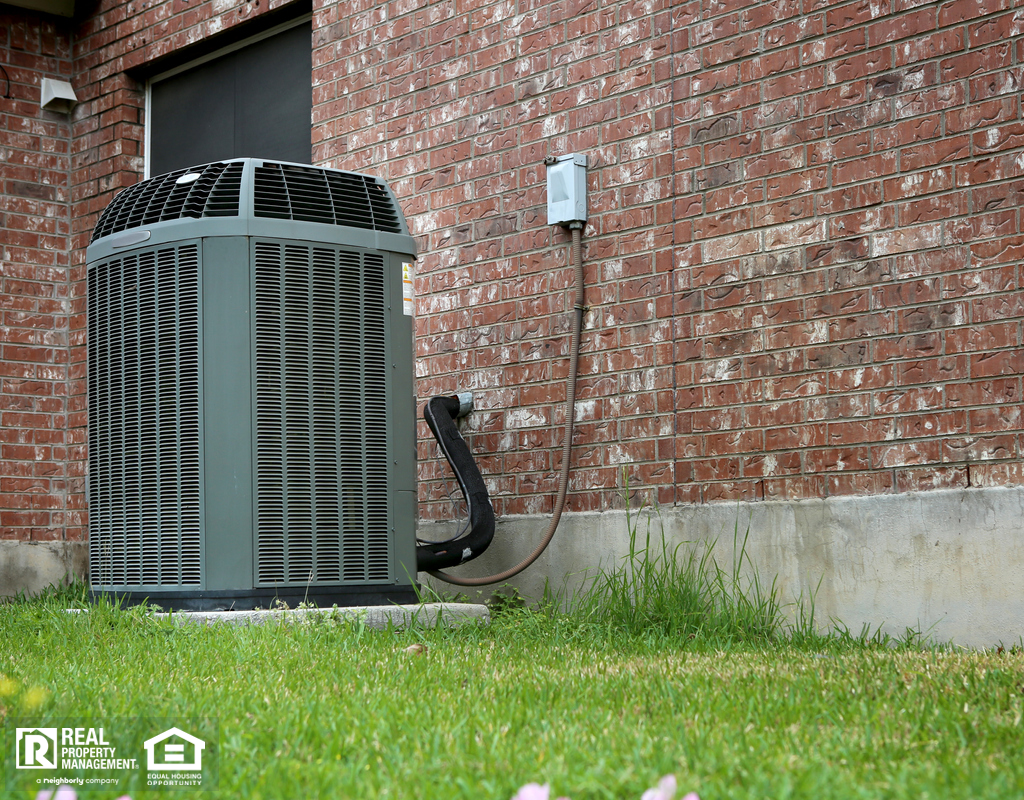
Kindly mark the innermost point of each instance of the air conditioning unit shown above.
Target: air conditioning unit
(251, 410)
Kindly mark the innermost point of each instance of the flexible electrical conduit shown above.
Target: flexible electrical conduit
(570, 413)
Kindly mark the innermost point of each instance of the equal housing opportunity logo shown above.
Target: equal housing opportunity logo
(126, 752)
(174, 750)
(175, 759)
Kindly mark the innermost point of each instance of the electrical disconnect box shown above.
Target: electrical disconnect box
(567, 189)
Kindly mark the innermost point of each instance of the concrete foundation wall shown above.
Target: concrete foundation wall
(947, 563)
(30, 567)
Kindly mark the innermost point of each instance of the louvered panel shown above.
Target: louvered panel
(354, 551)
(297, 417)
(271, 557)
(215, 193)
(311, 194)
(149, 420)
(385, 212)
(130, 445)
(189, 423)
(101, 339)
(321, 452)
(167, 416)
(144, 419)
(326, 381)
(150, 202)
(375, 422)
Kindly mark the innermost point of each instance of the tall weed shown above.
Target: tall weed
(680, 592)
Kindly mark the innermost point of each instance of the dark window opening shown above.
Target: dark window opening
(255, 101)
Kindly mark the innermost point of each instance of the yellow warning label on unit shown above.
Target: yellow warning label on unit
(407, 288)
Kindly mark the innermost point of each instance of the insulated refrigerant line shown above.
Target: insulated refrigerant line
(440, 414)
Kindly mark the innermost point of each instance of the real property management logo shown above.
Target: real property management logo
(36, 748)
(67, 748)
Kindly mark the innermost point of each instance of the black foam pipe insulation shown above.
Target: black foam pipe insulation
(440, 414)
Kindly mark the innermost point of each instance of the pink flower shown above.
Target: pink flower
(65, 793)
(666, 790)
(62, 793)
(534, 791)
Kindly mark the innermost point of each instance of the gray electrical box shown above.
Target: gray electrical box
(567, 190)
(251, 404)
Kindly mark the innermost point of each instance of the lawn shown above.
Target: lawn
(595, 708)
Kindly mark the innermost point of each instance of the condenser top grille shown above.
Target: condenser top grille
(276, 190)
(309, 194)
(213, 193)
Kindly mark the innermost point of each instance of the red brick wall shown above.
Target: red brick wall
(804, 254)
(40, 483)
(804, 250)
(457, 104)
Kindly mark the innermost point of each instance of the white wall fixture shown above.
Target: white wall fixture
(567, 189)
(57, 96)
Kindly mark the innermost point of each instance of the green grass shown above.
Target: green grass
(332, 709)
(681, 592)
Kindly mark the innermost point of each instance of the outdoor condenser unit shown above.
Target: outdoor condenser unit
(251, 411)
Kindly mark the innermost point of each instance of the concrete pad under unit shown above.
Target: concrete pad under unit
(430, 615)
